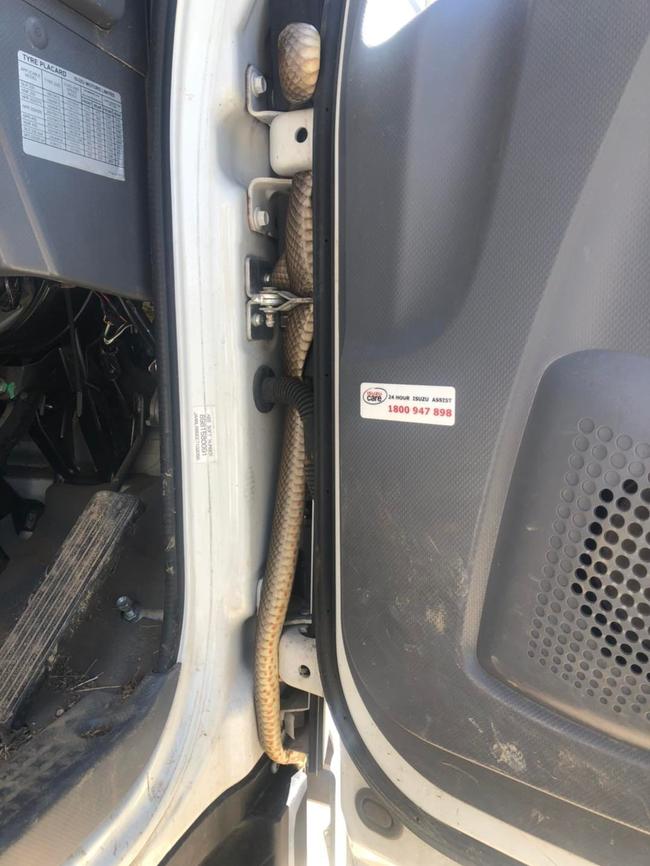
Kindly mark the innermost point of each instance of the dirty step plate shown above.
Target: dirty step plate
(85, 558)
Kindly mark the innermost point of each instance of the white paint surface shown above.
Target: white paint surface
(210, 740)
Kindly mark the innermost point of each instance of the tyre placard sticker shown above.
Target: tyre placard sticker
(414, 404)
(69, 119)
(203, 421)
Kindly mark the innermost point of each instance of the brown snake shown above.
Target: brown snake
(299, 59)
(290, 494)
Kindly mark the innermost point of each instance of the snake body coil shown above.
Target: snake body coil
(298, 61)
(290, 495)
(298, 64)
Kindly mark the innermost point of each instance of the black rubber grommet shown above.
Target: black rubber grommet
(261, 374)
(375, 814)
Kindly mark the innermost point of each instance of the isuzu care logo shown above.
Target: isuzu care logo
(374, 396)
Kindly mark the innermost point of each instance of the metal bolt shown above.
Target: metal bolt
(257, 319)
(266, 279)
(258, 84)
(261, 218)
(129, 611)
(270, 320)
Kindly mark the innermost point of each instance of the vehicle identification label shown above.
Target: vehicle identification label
(69, 119)
(416, 404)
(203, 422)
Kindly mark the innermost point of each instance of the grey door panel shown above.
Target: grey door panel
(494, 216)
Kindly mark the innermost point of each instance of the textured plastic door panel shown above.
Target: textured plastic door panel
(494, 224)
(73, 173)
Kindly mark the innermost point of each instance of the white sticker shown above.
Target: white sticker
(69, 119)
(416, 404)
(203, 427)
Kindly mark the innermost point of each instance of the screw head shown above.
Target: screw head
(257, 319)
(123, 603)
(261, 218)
(258, 84)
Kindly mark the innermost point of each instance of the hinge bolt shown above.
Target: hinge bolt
(258, 84)
(261, 218)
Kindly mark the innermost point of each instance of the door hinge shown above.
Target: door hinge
(299, 661)
(265, 302)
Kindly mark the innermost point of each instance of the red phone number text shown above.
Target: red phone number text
(436, 411)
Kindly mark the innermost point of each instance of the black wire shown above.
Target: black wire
(76, 366)
(140, 323)
(62, 333)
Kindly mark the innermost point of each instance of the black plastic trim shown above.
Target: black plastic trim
(261, 794)
(453, 844)
(162, 15)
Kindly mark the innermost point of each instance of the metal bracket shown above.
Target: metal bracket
(273, 301)
(290, 142)
(257, 277)
(291, 132)
(261, 205)
(257, 96)
(299, 662)
(265, 303)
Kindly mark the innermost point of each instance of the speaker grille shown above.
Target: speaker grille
(591, 622)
